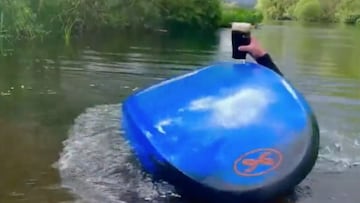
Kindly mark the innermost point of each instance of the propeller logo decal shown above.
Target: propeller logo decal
(258, 162)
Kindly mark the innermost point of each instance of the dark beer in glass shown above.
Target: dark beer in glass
(240, 35)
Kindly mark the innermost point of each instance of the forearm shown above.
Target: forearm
(267, 61)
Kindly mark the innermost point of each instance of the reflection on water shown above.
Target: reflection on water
(50, 93)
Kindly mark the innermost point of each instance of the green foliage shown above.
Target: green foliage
(190, 13)
(276, 9)
(329, 8)
(346, 11)
(35, 18)
(235, 14)
(20, 20)
(308, 10)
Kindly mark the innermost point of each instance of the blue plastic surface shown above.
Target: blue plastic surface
(214, 125)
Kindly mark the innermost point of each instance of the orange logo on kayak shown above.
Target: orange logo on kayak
(258, 162)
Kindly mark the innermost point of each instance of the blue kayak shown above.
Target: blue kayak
(229, 130)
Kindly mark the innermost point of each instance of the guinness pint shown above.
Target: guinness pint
(240, 35)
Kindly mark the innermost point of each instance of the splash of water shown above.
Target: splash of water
(97, 163)
(338, 152)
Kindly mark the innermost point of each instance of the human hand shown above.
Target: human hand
(254, 49)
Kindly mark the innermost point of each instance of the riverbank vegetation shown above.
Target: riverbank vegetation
(68, 19)
(332, 11)
(37, 19)
(232, 13)
(30, 19)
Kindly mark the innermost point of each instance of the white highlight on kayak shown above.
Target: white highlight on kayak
(167, 122)
(289, 89)
(163, 123)
(242, 108)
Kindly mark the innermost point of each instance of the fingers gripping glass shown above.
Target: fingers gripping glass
(240, 36)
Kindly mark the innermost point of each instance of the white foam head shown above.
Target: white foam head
(242, 27)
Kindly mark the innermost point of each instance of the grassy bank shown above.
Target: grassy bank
(332, 11)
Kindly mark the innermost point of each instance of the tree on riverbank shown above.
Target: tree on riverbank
(344, 11)
(235, 13)
(349, 11)
(307, 10)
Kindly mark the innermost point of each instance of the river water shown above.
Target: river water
(60, 139)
